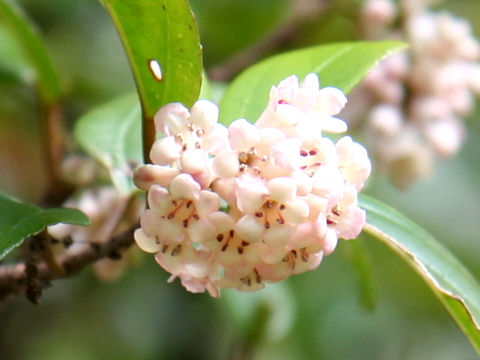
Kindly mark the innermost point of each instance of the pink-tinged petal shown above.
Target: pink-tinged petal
(205, 177)
(350, 223)
(330, 101)
(215, 140)
(170, 232)
(249, 229)
(318, 206)
(171, 119)
(202, 232)
(268, 138)
(165, 151)
(303, 181)
(312, 263)
(172, 264)
(311, 82)
(146, 243)
(303, 236)
(184, 187)
(222, 222)
(328, 183)
(149, 222)
(271, 254)
(354, 161)
(329, 241)
(279, 235)
(203, 114)
(147, 175)
(193, 161)
(287, 153)
(207, 203)
(225, 187)
(226, 164)
(287, 88)
(274, 272)
(243, 135)
(296, 211)
(159, 200)
(282, 189)
(334, 125)
(250, 194)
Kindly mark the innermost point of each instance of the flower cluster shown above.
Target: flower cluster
(100, 205)
(417, 99)
(239, 207)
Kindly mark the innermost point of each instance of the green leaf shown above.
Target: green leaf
(18, 221)
(33, 49)
(14, 69)
(111, 133)
(451, 282)
(357, 254)
(160, 32)
(341, 65)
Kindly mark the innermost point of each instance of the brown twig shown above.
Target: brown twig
(53, 137)
(14, 278)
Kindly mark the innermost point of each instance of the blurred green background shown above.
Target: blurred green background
(318, 315)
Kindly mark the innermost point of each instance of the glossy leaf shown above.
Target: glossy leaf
(111, 133)
(13, 67)
(161, 40)
(33, 48)
(451, 282)
(18, 221)
(340, 65)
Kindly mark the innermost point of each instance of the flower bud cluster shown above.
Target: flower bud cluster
(417, 99)
(251, 204)
(99, 204)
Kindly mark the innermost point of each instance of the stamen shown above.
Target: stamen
(198, 145)
(304, 255)
(330, 221)
(303, 153)
(259, 214)
(199, 132)
(257, 276)
(179, 138)
(176, 250)
(171, 215)
(243, 157)
(164, 249)
(220, 237)
(336, 210)
(312, 152)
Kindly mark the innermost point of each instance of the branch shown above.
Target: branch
(14, 278)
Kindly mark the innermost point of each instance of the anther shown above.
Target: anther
(199, 132)
(176, 250)
(312, 152)
(220, 237)
(303, 153)
(259, 214)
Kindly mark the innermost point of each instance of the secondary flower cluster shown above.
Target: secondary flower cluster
(239, 207)
(417, 99)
